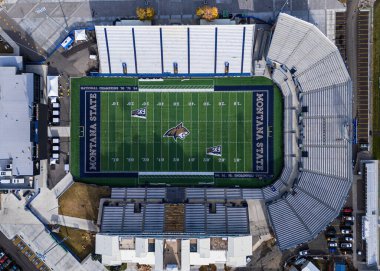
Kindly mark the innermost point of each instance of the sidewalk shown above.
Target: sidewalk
(49, 212)
(61, 131)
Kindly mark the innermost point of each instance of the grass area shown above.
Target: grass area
(82, 200)
(375, 82)
(195, 147)
(80, 242)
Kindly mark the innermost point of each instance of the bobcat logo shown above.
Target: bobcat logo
(179, 131)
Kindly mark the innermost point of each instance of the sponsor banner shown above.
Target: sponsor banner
(260, 132)
(92, 128)
(234, 175)
(139, 113)
(214, 151)
(240, 175)
(109, 88)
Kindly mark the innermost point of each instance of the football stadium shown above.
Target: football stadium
(188, 121)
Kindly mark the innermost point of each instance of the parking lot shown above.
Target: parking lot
(29, 254)
(13, 253)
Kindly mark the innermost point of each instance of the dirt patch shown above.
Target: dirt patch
(80, 242)
(82, 200)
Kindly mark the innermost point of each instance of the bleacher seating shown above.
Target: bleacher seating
(324, 168)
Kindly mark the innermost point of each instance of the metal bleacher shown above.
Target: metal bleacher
(323, 108)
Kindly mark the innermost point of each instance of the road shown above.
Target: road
(16, 255)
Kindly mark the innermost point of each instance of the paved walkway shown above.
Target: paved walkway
(61, 131)
(49, 212)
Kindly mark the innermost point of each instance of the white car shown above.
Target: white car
(332, 244)
(348, 238)
(345, 231)
(349, 218)
(303, 252)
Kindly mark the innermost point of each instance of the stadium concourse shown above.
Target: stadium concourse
(317, 172)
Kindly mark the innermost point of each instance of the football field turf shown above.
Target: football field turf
(220, 132)
(212, 119)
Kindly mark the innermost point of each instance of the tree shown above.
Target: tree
(145, 13)
(208, 13)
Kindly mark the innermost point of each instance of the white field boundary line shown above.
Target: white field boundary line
(176, 90)
(170, 173)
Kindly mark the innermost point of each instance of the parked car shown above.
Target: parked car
(331, 231)
(348, 223)
(303, 252)
(332, 244)
(346, 251)
(2, 254)
(332, 238)
(348, 238)
(347, 210)
(15, 268)
(27, 192)
(332, 250)
(348, 218)
(346, 230)
(346, 245)
(7, 263)
(2, 260)
(30, 196)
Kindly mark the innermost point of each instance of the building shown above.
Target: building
(23, 120)
(309, 266)
(370, 230)
(177, 254)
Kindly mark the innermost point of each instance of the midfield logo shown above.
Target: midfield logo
(179, 131)
(215, 151)
(139, 113)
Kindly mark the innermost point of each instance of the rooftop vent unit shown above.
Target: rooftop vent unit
(293, 70)
(305, 154)
(305, 109)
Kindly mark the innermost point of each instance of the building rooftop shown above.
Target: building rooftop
(16, 105)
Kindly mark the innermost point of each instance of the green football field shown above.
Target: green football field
(212, 119)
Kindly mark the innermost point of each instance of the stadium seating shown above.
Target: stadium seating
(323, 87)
(317, 174)
(195, 49)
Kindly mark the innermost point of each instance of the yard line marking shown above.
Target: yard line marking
(198, 129)
(236, 150)
(123, 133)
(138, 138)
(154, 159)
(146, 133)
(108, 117)
(244, 129)
(213, 127)
(176, 117)
(161, 124)
(168, 126)
(221, 126)
(183, 114)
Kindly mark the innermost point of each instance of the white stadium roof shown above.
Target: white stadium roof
(195, 49)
